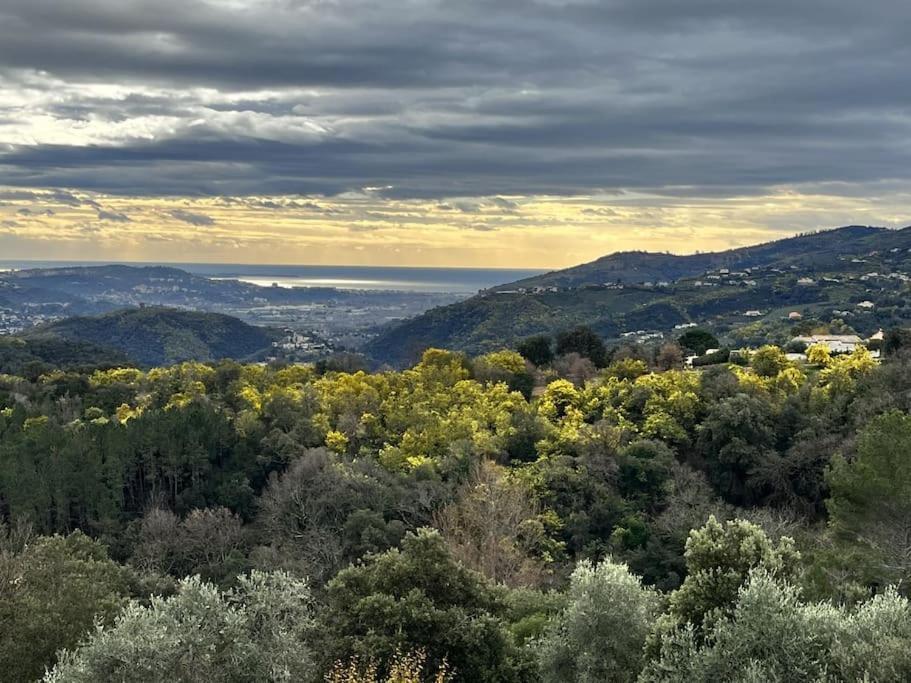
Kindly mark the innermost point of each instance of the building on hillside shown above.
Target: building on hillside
(753, 314)
(836, 343)
(795, 315)
(866, 304)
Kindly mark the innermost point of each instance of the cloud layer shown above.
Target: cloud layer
(437, 99)
(477, 132)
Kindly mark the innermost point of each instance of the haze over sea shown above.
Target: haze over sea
(375, 278)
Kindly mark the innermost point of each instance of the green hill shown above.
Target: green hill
(161, 336)
(37, 355)
(634, 267)
(818, 275)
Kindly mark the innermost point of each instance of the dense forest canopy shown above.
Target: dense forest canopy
(605, 515)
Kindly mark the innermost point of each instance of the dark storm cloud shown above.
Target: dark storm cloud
(479, 97)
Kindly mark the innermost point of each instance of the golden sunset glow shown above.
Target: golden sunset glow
(365, 228)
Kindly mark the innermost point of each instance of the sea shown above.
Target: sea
(365, 278)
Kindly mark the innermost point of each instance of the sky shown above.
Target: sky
(500, 133)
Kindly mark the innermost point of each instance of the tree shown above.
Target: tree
(734, 438)
(577, 369)
(53, 590)
(772, 635)
(342, 361)
(420, 598)
(585, 342)
(768, 361)
(870, 503)
(896, 339)
(493, 528)
(259, 631)
(210, 542)
(325, 512)
(537, 350)
(719, 558)
(819, 354)
(645, 467)
(626, 368)
(698, 341)
(600, 634)
(504, 366)
(669, 357)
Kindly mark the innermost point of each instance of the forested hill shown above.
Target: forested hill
(823, 276)
(161, 336)
(632, 267)
(34, 356)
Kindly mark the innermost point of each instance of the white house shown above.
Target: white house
(837, 343)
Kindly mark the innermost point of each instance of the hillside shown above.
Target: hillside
(343, 318)
(633, 295)
(162, 336)
(114, 286)
(632, 267)
(37, 355)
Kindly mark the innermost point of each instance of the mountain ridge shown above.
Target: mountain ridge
(625, 293)
(686, 264)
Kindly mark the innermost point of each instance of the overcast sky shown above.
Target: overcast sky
(525, 133)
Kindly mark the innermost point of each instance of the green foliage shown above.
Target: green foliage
(626, 368)
(156, 335)
(585, 342)
(870, 503)
(256, 632)
(505, 366)
(768, 361)
(645, 468)
(698, 341)
(716, 358)
(896, 340)
(599, 636)
(771, 635)
(719, 558)
(735, 436)
(537, 349)
(324, 512)
(36, 356)
(419, 597)
(52, 590)
(215, 469)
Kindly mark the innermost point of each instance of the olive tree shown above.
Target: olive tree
(772, 635)
(256, 632)
(599, 636)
